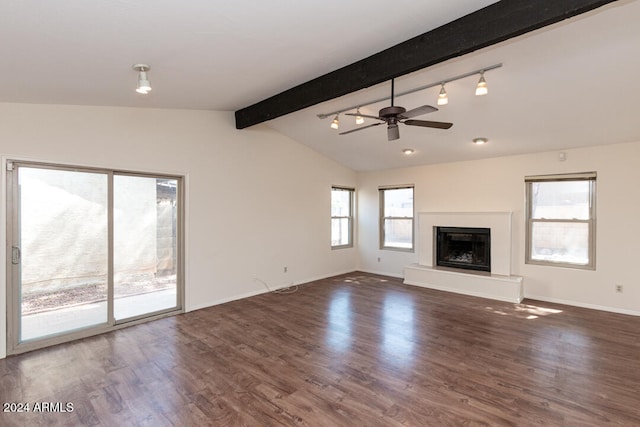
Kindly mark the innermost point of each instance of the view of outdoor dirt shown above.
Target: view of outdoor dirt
(64, 237)
(41, 301)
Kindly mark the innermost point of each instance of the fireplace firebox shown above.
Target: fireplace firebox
(466, 248)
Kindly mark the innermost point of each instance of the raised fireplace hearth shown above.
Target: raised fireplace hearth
(467, 248)
(496, 283)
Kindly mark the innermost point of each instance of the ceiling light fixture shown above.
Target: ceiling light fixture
(335, 124)
(143, 81)
(481, 88)
(480, 141)
(359, 118)
(408, 151)
(443, 98)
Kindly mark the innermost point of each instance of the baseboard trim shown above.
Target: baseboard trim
(225, 300)
(583, 305)
(261, 291)
(382, 273)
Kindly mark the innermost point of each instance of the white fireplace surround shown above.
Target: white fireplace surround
(500, 284)
(498, 222)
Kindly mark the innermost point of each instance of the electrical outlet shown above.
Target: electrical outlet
(619, 288)
(286, 269)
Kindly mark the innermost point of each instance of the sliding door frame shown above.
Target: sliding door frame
(14, 345)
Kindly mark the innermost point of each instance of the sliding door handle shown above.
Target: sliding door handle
(15, 255)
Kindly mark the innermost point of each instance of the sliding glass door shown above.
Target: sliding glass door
(62, 250)
(89, 249)
(145, 245)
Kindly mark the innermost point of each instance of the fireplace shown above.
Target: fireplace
(463, 247)
(497, 284)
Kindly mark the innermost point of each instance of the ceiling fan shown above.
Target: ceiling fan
(395, 114)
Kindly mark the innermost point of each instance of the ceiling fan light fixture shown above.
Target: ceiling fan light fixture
(335, 124)
(481, 88)
(392, 116)
(144, 86)
(359, 118)
(393, 132)
(443, 98)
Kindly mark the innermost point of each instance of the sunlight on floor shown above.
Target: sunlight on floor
(525, 311)
(363, 279)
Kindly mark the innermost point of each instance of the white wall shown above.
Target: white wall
(498, 185)
(256, 200)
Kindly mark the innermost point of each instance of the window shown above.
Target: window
(341, 217)
(561, 220)
(396, 218)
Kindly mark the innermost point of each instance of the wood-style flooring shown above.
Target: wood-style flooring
(352, 350)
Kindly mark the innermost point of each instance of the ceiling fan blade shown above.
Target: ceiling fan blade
(393, 132)
(428, 124)
(360, 128)
(363, 115)
(418, 111)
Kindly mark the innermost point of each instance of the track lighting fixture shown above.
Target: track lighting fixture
(335, 124)
(443, 99)
(482, 89)
(143, 81)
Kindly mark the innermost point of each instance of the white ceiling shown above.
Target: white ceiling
(572, 84)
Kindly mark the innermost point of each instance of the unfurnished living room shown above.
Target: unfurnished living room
(320, 213)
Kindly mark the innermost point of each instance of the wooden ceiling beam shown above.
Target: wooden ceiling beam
(485, 27)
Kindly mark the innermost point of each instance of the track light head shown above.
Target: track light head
(443, 98)
(481, 88)
(335, 124)
(143, 81)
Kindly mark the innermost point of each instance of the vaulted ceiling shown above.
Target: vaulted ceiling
(570, 84)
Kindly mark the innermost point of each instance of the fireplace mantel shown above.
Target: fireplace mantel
(500, 284)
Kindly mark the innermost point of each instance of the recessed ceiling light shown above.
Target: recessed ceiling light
(408, 151)
(480, 141)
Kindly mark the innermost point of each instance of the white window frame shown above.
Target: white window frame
(383, 218)
(349, 217)
(591, 221)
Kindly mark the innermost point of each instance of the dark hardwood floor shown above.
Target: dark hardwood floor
(353, 350)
